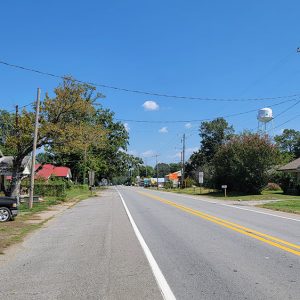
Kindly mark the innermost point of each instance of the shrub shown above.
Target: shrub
(244, 162)
(271, 186)
(189, 182)
(51, 188)
(168, 185)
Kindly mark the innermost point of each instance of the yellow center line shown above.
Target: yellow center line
(271, 240)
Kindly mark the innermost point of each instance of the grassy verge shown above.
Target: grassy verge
(287, 203)
(13, 232)
(266, 195)
(291, 206)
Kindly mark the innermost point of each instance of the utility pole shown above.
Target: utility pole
(183, 162)
(156, 171)
(37, 111)
(17, 127)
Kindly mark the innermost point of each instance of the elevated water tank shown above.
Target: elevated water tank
(265, 115)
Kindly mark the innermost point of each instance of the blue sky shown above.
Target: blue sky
(216, 49)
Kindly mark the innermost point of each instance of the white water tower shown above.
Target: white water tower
(264, 116)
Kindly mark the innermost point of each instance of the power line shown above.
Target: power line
(145, 92)
(295, 117)
(200, 120)
(287, 109)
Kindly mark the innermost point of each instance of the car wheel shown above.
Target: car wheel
(4, 214)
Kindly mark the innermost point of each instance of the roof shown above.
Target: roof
(48, 170)
(174, 176)
(291, 166)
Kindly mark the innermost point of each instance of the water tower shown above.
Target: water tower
(264, 116)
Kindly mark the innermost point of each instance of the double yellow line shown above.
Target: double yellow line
(268, 239)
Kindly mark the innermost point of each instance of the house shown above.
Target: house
(292, 167)
(175, 178)
(48, 170)
(6, 163)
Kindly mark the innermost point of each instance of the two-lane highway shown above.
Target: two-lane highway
(208, 250)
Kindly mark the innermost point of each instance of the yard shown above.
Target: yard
(288, 203)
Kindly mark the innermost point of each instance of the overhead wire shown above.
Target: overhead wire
(198, 120)
(156, 94)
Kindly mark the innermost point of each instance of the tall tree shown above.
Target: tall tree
(289, 142)
(65, 123)
(213, 134)
(244, 163)
(163, 169)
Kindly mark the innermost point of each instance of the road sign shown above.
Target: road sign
(201, 175)
(224, 186)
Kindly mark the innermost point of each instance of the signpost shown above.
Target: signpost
(224, 186)
(91, 180)
(201, 176)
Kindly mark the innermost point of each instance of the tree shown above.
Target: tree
(65, 123)
(163, 169)
(244, 162)
(213, 134)
(107, 159)
(174, 167)
(146, 171)
(289, 142)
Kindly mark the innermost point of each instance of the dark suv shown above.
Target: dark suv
(8, 208)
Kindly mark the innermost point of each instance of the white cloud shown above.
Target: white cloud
(188, 125)
(148, 153)
(163, 130)
(127, 128)
(150, 105)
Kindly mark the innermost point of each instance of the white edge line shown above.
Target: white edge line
(232, 206)
(158, 275)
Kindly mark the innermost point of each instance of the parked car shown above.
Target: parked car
(8, 208)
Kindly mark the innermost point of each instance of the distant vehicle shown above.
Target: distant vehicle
(8, 208)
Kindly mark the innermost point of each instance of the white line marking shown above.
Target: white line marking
(158, 275)
(232, 206)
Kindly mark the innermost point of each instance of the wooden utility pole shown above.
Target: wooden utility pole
(183, 161)
(17, 128)
(37, 111)
(156, 171)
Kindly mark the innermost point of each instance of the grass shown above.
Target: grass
(13, 232)
(291, 206)
(287, 203)
(266, 195)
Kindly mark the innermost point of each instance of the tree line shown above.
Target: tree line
(245, 162)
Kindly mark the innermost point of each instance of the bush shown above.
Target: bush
(168, 185)
(189, 182)
(271, 186)
(51, 188)
(244, 163)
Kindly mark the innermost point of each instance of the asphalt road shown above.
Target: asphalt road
(203, 256)
(88, 252)
(204, 250)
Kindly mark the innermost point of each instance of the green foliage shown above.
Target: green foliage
(189, 182)
(168, 185)
(287, 181)
(163, 169)
(289, 142)
(244, 162)
(174, 167)
(51, 188)
(213, 134)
